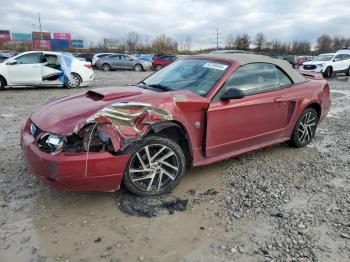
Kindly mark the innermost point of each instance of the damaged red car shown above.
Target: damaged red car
(197, 111)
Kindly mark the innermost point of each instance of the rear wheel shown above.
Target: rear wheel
(305, 128)
(327, 72)
(138, 68)
(2, 83)
(158, 67)
(74, 81)
(348, 72)
(155, 167)
(106, 67)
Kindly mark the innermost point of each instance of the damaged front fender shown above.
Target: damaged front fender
(123, 123)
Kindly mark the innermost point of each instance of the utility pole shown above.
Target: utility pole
(41, 32)
(218, 39)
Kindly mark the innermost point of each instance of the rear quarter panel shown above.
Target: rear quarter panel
(306, 94)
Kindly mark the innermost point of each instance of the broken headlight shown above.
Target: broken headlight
(52, 143)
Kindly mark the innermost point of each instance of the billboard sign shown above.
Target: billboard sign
(59, 44)
(77, 43)
(111, 43)
(62, 36)
(4, 32)
(5, 35)
(42, 44)
(21, 37)
(41, 36)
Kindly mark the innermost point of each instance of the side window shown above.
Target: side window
(337, 58)
(346, 56)
(33, 58)
(252, 78)
(283, 78)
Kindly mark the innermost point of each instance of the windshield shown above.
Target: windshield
(196, 75)
(323, 58)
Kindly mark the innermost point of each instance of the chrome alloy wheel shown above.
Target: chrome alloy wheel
(153, 168)
(307, 127)
(73, 81)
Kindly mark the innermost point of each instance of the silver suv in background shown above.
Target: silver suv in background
(122, 61)
(98, 56)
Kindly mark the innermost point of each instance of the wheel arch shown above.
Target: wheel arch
(331, 68)
(138, 64)
(176, 131)
(106, 63)
(1, 76)
(315, 105)
(78, 75)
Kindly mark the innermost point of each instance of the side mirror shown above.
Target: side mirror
(12, 62)
(232, 93)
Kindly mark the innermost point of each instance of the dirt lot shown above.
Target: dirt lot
(277, 204)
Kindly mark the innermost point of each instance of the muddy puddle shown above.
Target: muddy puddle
(70, 226)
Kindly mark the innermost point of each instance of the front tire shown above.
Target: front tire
(155, 167)
(327, 72)
(2, 83)
(305, 128)
(348, 72)
(74, 81)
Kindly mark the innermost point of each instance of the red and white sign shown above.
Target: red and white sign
(62, 36)
(5, 37)
(42, 44)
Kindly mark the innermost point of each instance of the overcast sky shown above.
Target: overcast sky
(94, 20)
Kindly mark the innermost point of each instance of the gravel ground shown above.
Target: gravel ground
(277, 204)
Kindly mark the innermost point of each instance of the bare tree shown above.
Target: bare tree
(339, 42)
(278, 47)
(301, 48)
(260, 42)
(230, 42)
(162, 43)
(187, 44)
(242, 42)
(245, 41)
(132, 41)
(324, 44)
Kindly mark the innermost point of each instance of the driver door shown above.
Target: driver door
(260, 117)
(26, 70)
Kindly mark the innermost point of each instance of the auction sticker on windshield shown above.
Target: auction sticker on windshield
(215, 66)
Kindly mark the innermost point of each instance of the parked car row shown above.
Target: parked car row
(294, 61)
(137, 62)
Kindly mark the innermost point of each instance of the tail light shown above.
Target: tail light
(88, 66)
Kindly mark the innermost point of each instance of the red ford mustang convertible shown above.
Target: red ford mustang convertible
(197, 111)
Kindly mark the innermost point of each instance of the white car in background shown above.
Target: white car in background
(330, 63)
(40, 68)
(98, 56)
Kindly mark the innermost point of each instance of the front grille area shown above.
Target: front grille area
(309, 67)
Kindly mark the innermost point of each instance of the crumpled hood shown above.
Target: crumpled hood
(65, 115)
